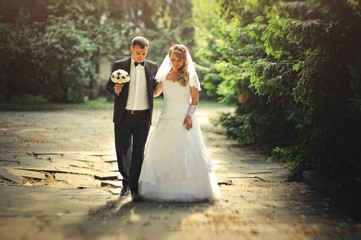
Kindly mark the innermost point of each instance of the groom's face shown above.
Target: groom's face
(138, 53)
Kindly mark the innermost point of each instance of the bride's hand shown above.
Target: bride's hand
(188, 122)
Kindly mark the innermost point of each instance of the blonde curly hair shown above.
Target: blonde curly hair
(181, 52)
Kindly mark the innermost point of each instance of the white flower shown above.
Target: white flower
(120, 76)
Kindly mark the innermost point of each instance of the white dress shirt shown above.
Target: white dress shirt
(137, 97)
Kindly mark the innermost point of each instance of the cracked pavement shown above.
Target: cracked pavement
(59, 180)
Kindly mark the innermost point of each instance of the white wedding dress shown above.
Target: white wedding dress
(176, 165)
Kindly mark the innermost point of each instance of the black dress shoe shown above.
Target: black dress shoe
(124, 191)
(136, 197)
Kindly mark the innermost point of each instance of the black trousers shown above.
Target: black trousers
(130, 138)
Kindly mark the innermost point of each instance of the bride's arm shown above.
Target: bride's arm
(158, 89)
(192, 108)
(194, 96)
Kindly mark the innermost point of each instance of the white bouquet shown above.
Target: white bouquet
(120, 76)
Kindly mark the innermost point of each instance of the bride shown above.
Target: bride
(176, 165)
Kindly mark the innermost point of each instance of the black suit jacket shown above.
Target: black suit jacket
(120, 101)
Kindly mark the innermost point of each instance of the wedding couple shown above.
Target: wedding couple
(171, 165)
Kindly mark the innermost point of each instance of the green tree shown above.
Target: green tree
(15, 53)
(61, 56)
(103, 28)
(299, 64)
(163, 22)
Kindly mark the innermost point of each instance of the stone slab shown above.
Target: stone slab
(115, 184)
(8, 175)
(28, 174)
(109, 175)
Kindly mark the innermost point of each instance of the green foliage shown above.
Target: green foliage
(299, 64)
(290, 155)
(15, 49)
(61, 56)
(67, 40)
(31, 99)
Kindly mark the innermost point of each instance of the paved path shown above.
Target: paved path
(62, 184)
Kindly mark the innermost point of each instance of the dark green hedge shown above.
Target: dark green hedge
(299, 64)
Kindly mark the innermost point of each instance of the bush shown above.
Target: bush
(299, 64)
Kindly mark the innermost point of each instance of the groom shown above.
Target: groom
(133, 107)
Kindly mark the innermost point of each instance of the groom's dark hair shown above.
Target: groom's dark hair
(141, 41)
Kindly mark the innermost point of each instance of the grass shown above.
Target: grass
(98, 104)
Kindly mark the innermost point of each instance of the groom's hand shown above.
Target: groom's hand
(118, 88)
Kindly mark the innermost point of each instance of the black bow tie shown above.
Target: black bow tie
(136, 63)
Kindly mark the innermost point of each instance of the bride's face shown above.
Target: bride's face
(176, 62)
